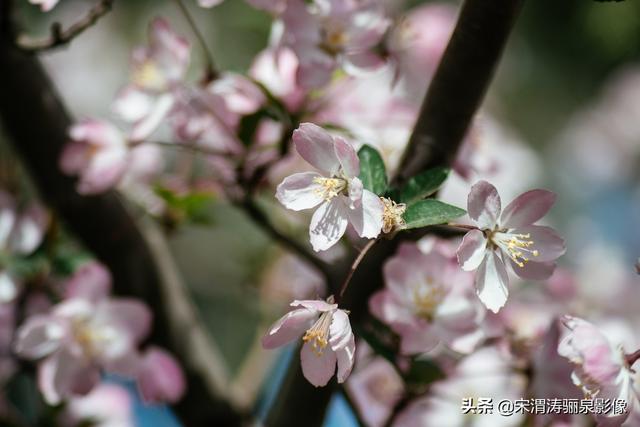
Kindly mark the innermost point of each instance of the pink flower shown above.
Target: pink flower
(600, 368)
(80, 337)
(276, 69)
(328, 340)
(157, 70)
(45, 5)
(331, 32)
(338, 190)
(108, 405)
(160, 378)
(428, 300)
(20, 234)
(485, 373)
(97, 153)
(530, 249)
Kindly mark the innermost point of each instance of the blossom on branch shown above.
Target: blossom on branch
(428, 300)
(45, 5)
(157, 71)
(600, 368)
(337, 189)
(511, 237)
(327, 336)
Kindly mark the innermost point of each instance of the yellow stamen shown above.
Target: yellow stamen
(426, 298)
(392, 215)
(149, 76)
(331, 187)
(517, 246)
(318, 334)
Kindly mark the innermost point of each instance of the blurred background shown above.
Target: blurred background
(567, 95)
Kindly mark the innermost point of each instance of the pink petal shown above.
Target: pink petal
(317, 369)
(65, 374)
(328, 224)
(9, 287)
(472, 250)
(345, 358)
(92, 281)
(316, 146)
(347, 157)
(289, 327)
(39, 336)
(527, 208)
(314, 304)
(299, 191)
(549, 245)
(366, 218)
(314, 69)
(483, 204)
(133, 317)
(160, 378)
(534, 270)
(29, 230)
(361, 62)
(492, 282)
(74, 158)
(417, 338)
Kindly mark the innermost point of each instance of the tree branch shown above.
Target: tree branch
(459, 84)
(59, 36)
(36, 122)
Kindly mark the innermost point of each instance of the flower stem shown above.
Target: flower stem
(211, 72)
(355, 265)
(632, 358)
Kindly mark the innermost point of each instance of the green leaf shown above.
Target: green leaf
(430, 212)
(372, 171)
(422, 185)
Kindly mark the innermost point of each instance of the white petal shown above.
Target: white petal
(472, 250)
(145, 127)
(340, 330)
(299, 191)
(316, 146)
(328, 224)
(346, 357)
(366, 218)
(492, 282)
(8, 288)
(317, 368)
(289, 327)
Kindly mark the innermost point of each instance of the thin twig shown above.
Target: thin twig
(211, 72)
(261, 219)
(189, 147)
(355, 265)
(58, 36)
(632, 358)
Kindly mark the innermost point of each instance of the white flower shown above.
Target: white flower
(337, 190)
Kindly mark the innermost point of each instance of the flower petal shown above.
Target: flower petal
(345, 357)
(131, 316)
(366, 218)
(39, 336)
(472, 250)
(527, 208)
(347, 157)
(299, 191)
(160, 378)
(65, 374)
(328, 224)
(317, 368)
(316, 146)
(483, 204)
(159, 110)
(289, 327)
(546, 241)
(340, 333)
(92, 282)
(9, 287)
(534, 270)
(492, 282)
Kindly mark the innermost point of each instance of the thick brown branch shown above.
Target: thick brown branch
(60, 36)
(36, 122)
(459, 84)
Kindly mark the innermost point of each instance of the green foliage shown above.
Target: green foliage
(430, 212)
(372, 171)
(421, 186)
(192, 206)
